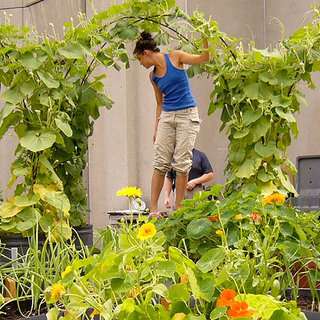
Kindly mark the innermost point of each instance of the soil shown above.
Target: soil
(12, 311)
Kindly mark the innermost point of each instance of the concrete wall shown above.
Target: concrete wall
(121, 147)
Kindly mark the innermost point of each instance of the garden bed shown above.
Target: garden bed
(308, 304)
(12, 311)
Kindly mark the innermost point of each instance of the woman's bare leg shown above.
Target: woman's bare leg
(181, 186)
(156, 187)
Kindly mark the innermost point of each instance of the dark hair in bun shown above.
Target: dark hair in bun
(146, 42)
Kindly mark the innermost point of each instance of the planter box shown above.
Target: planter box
(41, 317)
(14, 245)
(312, 315)
(305, 294)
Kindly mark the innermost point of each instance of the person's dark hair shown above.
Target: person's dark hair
(146, 42)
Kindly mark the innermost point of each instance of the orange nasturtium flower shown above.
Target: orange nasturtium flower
(256, 217)
(147, 231)
(184, 278)
(226, 298)
(213, 218)
(236, 309)
(165, 303)
(275, 198)
(239, 309)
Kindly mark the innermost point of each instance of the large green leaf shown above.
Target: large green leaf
(286, 182)
(11, 120)
(26, 201)
(9, 209)
(218, 313)
(265, 176)
(13, 95)
(247, 169)
(165, 269)
(36, 141)
(195, 288)
(268, 77)
(237, 153)
(265, 150)
(177, 256)
(178, 292)
(5, 111)
(199, 228)
(250, 115)
(260, 128)
(72, 50)
(285, 115)
(27, 88)
(241, 133)
(252, 90)
(55, 198)
(64, 127)
(47, 167)
(31, 60)
(48, 80)
(211, 260)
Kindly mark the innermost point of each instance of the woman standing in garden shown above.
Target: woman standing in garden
(177, 120)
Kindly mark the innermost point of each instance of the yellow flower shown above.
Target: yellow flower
(130, 192)
(147, 231)
(219, 232)
(67, 271)
(134, 292)
(179, 316)
(57, 291)
(238, 217)
(184, 278)
(276, 198)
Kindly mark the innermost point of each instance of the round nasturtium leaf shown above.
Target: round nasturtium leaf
(36, 141)
(199, 228)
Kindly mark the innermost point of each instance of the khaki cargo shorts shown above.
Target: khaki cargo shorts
(176, 136)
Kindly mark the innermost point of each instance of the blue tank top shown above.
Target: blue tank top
(175, 87)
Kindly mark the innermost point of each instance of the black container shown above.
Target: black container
(15, 245)
(41, 317)
(86, 235)
(307, 294)
(311, 315)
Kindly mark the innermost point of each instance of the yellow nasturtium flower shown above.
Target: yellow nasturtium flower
(57, 291)
(130, 192)
(147, 231)
(219, 232)
(179, 316)
(238, 217)
(275, 198)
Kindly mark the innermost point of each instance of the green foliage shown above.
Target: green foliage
(258, 95)
(138, 279)
(52, 100)
(244, 240)
(34, 270)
